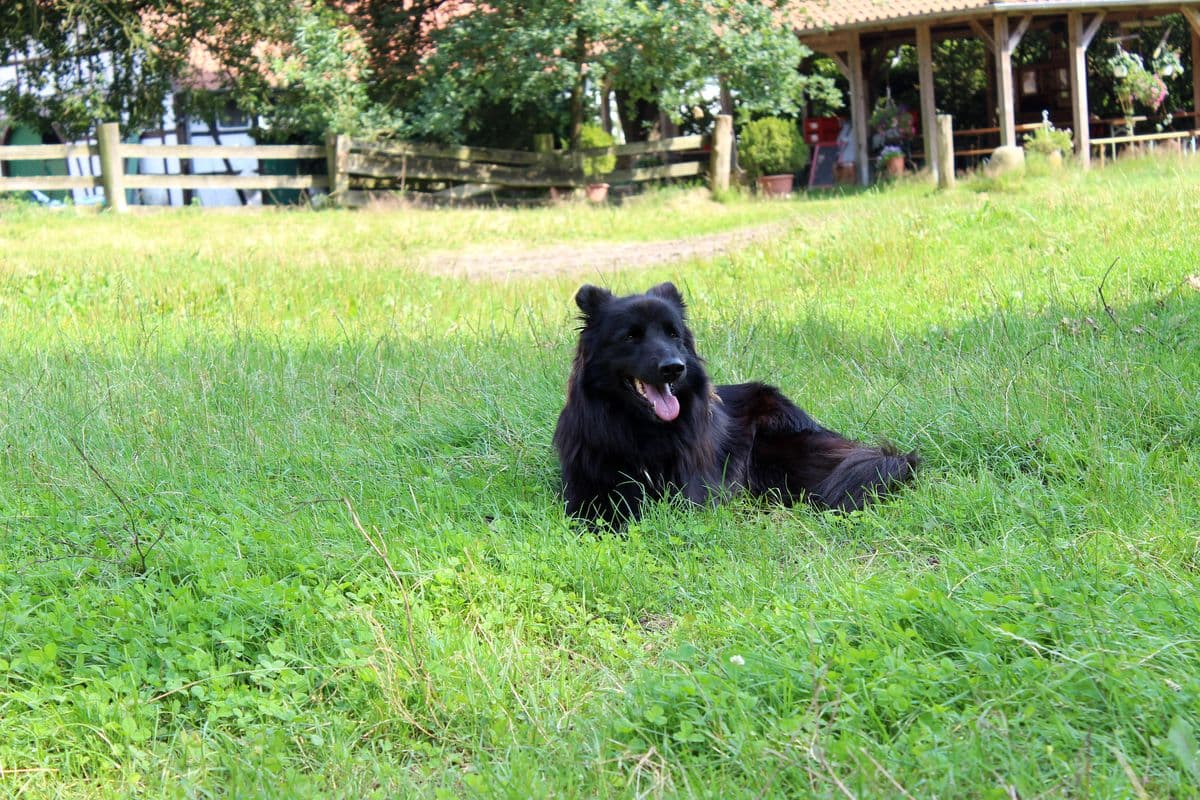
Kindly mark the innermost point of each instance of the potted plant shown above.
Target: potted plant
(771, 150)
(1050, 142)
(891, 161)
(892, 127)
(593, 137)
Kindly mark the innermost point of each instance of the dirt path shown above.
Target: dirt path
(596, 257)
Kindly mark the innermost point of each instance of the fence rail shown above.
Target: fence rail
(355, 168)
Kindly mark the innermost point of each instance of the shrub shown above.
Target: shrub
(1049, 139)
(593, 136)
(771, 146)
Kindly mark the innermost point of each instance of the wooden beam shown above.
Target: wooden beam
(1090, 31)
(828, 44)
(1196, 69)
(23, 152)
(1004, 81)
(929, 131)
(248, 182)
(402, 168)
(462, 191)
(1192, 15)
(858, 109)
(453, 152)
(982, 34)
(1142, 137)
(683, 169)
(1077, 60)
(223, 151)
(1014, 38)
(842, 66)
(48, 183)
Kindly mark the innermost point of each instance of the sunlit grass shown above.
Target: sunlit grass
(228, 387)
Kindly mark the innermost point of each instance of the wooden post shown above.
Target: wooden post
(112, 167)
(1004, 80)
(945, 151)
(1193, 18)
(722, 154)
(543, 143)
(337, 160)
(929, 130)
(858, 108)
(183, 135)
(1078, 39)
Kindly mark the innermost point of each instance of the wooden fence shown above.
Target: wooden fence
(357, 171)
(979, 142)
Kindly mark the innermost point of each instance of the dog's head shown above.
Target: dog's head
(638, 350)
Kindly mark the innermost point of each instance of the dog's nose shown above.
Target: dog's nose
(671, 370)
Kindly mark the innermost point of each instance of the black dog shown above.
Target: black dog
(642, 419)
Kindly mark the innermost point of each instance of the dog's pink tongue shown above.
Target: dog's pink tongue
(666, 405)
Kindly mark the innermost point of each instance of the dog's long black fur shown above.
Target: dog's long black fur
(643, 420)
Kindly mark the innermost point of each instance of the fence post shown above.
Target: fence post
(945, 151)
(722, 154)
(337, 158)
(112, 166)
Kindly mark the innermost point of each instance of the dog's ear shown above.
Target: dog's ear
(591, 299)
(668, 292)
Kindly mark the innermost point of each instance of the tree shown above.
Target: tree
(660, 54)
(299, 67)
(82, 61)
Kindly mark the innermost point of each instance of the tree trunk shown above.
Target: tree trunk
(639, 118)
(577, 89)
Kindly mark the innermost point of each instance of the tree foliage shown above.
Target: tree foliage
(82, 61)
(299, 66)
(667, 54)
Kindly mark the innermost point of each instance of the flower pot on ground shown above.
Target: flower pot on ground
(776, 185)
(772, 148)
(844, 172)
(597, 192)
(1048, 141)
(596, 165)
(891, 162)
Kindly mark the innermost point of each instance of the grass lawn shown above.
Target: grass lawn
(279, 518)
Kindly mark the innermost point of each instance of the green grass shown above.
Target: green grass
(227, 388)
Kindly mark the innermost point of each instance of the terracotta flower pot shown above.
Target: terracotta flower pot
(894, 167)
(844, 172)
(775, 185)
(597, 192)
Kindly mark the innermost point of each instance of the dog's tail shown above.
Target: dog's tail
(864, 472)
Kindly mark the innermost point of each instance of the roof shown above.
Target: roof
(833, 14)
(830, 15)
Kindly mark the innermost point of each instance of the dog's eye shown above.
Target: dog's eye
(674, 334)
(633, 334)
